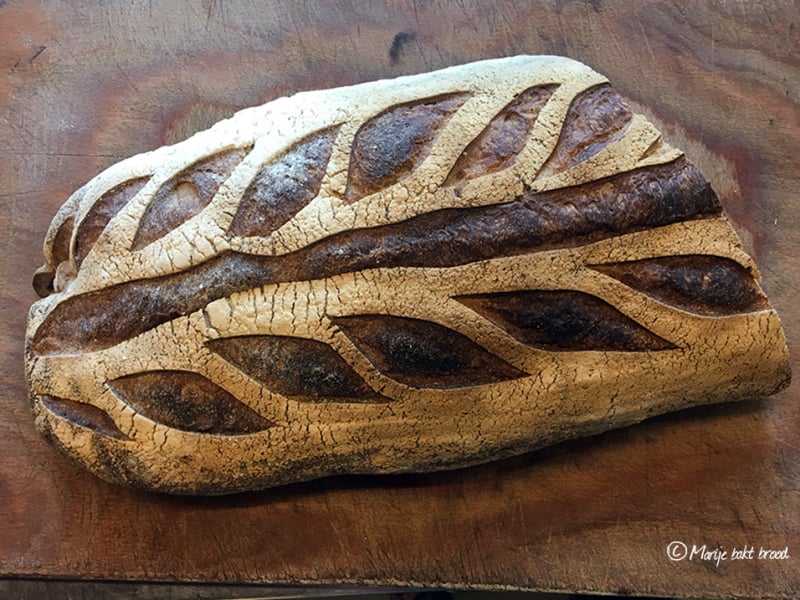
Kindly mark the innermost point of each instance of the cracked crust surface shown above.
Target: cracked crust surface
(405, 275)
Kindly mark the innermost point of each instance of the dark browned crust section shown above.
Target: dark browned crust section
(82, 414)
(283, 187)
(187, 401)
(43, 282)
(498, 145)
(305, 369)
(573, 216)
(387, 148)
(43, 278)
(596, 118)
(62, 240)
(185, 195)
(103, 210)
(424, 354)
(533, 222)
(707, 285)
(564, 320)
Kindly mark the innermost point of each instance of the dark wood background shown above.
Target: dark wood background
(84, 84)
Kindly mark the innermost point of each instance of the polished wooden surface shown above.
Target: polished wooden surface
(85, 84)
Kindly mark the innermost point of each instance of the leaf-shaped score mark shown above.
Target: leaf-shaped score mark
(57, 246)
(103, 210)
(564, 320)
(389, 147)
(498, 145)
(424, 354)
(187, 401)
(184, 195)
(707, 285)
(83, 415)
(597, 118)
(301, 368)
(281, 188)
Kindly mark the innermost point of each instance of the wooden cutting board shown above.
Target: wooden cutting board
(85, 84)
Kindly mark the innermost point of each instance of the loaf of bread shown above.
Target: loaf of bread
(406, 275)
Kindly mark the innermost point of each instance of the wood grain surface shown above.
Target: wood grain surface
(84, 84)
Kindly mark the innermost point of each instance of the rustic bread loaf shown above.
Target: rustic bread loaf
(406, 275)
